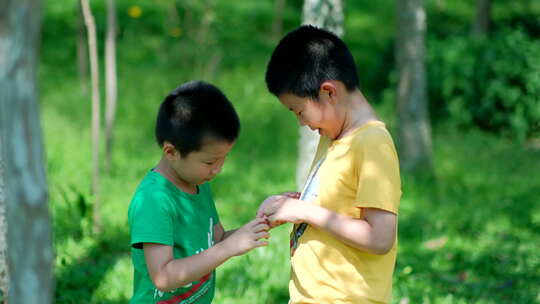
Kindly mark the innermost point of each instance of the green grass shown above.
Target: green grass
(470, 234)
(483, 206)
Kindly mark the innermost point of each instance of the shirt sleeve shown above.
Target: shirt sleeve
(150, 221)
(379, 184)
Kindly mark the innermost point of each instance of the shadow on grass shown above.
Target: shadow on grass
(487, 253)
(268, 289)
(466, 277)
(77, 282)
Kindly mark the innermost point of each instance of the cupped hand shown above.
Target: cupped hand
(250, 236)
(273, 198)
(285, 209)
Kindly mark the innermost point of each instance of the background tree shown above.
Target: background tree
(327, 14)
(4, 276)
(82, 51)
(96, 110)
(30, 251)
(414, 135)
(482, 18)
(111, 81)
(277, 21)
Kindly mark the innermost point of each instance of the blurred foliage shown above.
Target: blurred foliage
(467, 236)
(492, 82)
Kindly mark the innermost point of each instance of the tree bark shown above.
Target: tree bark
(82, 53)
(482, 19)
(96, 112)
(111, 81)
(277, 22)
(327, 14)
(413, 119)
(30, 253)
(4, 275)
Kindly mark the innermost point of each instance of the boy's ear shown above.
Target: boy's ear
(328, 91)
(170, 151)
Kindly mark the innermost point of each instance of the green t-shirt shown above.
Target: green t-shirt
(161, 213)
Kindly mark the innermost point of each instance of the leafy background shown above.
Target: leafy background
(470, 234)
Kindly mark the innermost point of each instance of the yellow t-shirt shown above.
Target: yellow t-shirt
(360, 170)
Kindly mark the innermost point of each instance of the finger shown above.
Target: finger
(260, 243)
(277, 223)
(261, 227)
(260, 211)
(270, 210)
(256, 221)
(273, 219)
(262, 235)
(291, 194)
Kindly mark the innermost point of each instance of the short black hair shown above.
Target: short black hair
(193, 112)
(305, 58)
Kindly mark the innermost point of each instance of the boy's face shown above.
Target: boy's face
(320, 115)
(203, 165)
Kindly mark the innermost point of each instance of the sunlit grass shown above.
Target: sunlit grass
(467, 235)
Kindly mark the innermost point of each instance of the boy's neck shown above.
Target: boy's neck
(165, 169)
(357, 112)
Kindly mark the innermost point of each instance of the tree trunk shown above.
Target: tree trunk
(82, 54)
(30, 253)
(414, 125)
(4, 275)
(327, 14)
(483, 18)
(111, 81)
(96, 111)
(277, 22)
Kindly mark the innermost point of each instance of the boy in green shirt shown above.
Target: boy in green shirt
(176, 237)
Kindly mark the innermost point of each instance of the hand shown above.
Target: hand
(266, 203)
(270, 199)
(291, 194)
(285, 209)
(248, 237)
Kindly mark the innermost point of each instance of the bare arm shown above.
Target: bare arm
(220, 234)
(374, 232)
(168, 273)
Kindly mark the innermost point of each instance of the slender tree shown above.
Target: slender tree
(111, 81)
(82, 53)
(277, 22)
(30, 253)
(4, 276)
(96, 111)
(482, 18)
(327, 14)
(414, 125)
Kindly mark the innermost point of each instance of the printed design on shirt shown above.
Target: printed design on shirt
(191, 295)
(196, 290)
(309, 194)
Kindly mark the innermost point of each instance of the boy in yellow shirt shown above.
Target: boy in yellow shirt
(343, 243)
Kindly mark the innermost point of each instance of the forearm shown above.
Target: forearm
(228, 233)
(355, 232)
(179, 272)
